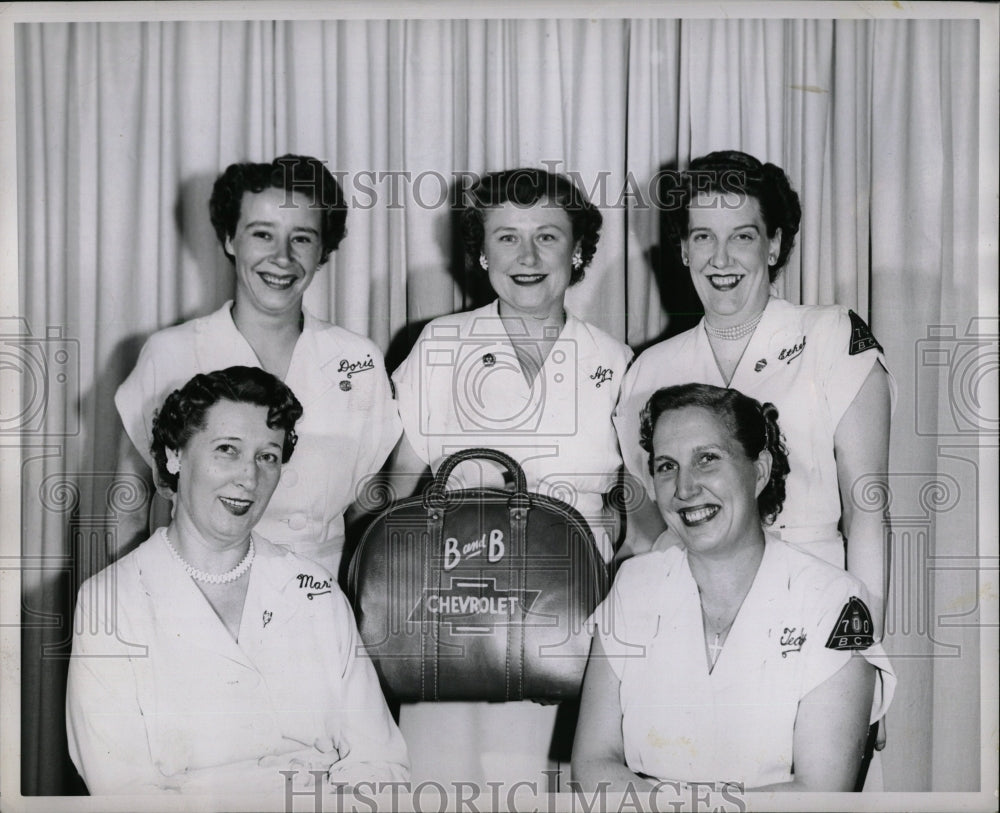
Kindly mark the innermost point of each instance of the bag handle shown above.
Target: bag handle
(434, 496)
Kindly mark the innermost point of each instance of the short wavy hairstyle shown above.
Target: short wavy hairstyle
(527, 186)
(185, 410)
(753, 424)
(293, 173)
(730, 172)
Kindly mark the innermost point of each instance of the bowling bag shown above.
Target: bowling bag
(477, 594)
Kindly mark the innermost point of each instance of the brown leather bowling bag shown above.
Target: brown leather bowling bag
(477, 594)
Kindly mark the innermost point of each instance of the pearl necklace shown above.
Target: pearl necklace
(731, 334)
(212, 578)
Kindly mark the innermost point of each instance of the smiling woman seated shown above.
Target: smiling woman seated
(733, 657)
(208, 660)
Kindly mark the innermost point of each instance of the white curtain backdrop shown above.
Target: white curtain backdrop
(122, 128)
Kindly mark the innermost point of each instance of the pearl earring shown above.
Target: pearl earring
(173, 465)
(483, 262)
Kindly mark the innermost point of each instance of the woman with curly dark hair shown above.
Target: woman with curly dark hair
(732, 657)
(735, 219)
(209, 660)
(524, 376)
(278, 224)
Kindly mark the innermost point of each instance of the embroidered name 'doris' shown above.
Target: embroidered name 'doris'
(355, 367)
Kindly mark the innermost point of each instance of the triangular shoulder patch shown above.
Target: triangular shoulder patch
(853, 629)
(861, 336)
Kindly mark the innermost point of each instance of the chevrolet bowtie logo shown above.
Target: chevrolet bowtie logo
(472, 606)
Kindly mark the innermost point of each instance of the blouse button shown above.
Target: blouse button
(297, 522)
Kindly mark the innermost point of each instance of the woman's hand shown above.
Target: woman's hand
(308, 764)
(880, 738)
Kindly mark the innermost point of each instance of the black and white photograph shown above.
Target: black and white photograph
(507, 406)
